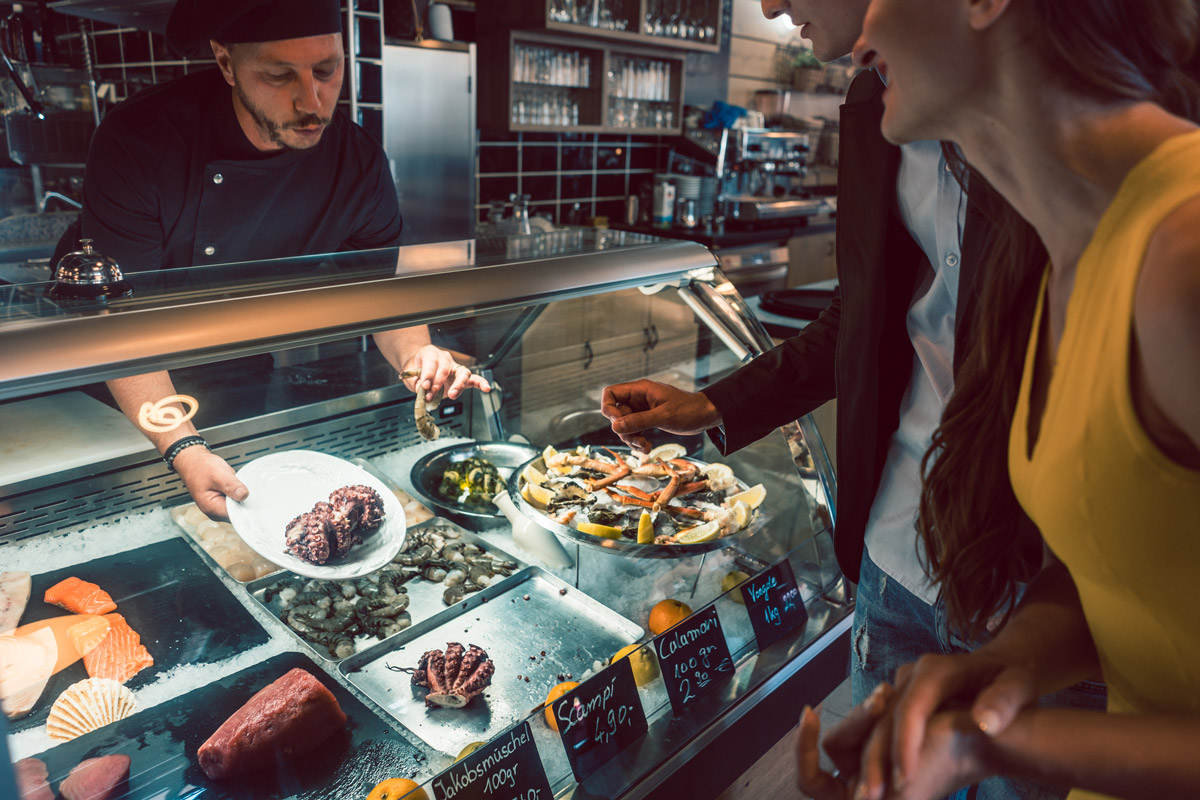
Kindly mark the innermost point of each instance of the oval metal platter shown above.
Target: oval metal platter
(622, 546)
(427, 474)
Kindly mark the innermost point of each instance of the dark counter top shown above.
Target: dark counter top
(741, 236)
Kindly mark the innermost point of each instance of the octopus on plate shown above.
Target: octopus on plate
(454, 676)
(332, 528)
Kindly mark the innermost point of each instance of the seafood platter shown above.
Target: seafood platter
(663, 504)
(214, 741)
(434, 680)
(461, 480)
(440, 565)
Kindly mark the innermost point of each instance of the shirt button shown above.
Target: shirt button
(210, 250)
(951, 260)
(218, 178)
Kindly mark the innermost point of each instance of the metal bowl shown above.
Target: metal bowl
(427, 475)
(622, 546)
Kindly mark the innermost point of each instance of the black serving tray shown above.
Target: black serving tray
(182, 611)
(162, 743)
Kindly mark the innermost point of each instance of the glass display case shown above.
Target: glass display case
(652, 634)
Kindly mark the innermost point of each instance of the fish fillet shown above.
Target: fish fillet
(26, 664)
(80, 597)
(14, 594)
(97, 778)
(120, 654)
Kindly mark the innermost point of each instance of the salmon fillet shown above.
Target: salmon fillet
(120, 654)
(88, 634)
(80, 597)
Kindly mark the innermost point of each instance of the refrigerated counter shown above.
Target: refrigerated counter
(279, 359)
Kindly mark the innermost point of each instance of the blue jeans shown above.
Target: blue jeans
(892, 627)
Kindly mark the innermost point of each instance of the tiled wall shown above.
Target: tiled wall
(597, 171)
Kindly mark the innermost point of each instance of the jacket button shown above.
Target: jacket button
(218, 178)
(210, 250)
(952, 260)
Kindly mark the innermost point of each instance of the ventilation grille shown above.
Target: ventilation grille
(106, 496)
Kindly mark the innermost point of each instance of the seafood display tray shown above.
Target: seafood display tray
(427, 476)
(531, 614)
(162, 742)
(166, 593)
(425, 597)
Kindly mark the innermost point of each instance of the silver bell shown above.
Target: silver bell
(88, 274)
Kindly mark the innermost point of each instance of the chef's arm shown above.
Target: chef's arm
(209, 479)
(409, 350)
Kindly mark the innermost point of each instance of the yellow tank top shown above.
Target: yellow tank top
(1121, 516)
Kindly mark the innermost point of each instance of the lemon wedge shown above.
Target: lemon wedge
(548, 454)
(704, 532)
(717, 472)
(741, 513)
(752, 497)
(604, 531)
(533, 475)
(667, 451)
(538, 496)
(732, 579)
(646, 528)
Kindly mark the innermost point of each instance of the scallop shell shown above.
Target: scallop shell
(86, 706)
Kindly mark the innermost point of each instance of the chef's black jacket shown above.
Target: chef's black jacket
(172, 181)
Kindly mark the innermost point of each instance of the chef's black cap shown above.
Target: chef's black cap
(194, 22)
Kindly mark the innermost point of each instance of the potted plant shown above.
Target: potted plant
(806, 71)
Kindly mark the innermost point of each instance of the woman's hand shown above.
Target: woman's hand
(844, 744)
(434, 369)
(209, 479)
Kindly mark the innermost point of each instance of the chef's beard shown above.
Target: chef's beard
(274, 130)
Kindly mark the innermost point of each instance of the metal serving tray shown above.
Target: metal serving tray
(516, 622)
(425, 597)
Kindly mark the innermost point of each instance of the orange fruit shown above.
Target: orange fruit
(555, 693)
(667, 614)
(397, 788)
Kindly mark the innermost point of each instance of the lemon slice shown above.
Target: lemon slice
(533, 475)
(752, 497)
(717, 472)
(705, 532)
(667, 451)
(548, 454)
(596, 529)
(741, 513)
(646, 528)
(539, 496)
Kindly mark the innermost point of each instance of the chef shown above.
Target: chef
(251, 160)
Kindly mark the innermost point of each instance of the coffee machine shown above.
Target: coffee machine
(760, 174)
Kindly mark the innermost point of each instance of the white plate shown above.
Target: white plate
(284, 485)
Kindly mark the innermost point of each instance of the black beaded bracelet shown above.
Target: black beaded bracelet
(179, 446)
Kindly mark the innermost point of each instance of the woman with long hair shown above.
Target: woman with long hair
(1079, 404)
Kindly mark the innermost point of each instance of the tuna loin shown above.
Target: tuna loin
(286, 718)
(96, 778)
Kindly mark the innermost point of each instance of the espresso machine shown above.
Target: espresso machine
(760, 175)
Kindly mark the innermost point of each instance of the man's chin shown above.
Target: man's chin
(300, 139)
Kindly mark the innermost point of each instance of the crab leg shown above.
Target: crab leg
(638, 493)
(622, 471)
(666, 493)
(688, 488)
(636, 501)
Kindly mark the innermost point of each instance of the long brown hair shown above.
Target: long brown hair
(977, 539)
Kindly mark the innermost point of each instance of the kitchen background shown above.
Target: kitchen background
(573, 176)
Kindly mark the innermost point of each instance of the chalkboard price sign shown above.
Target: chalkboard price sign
(694, 657)
(507, 768)
(600, 718)
(774, 604)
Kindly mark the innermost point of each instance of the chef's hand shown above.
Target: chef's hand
(209, 480)
(434, 369)
(642, 405)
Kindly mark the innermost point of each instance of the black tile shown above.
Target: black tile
(540, 187)
(610, 157)
(610, 185)
(577, 186)
(106, 49)
(645, 157)
(486, 137)
(496, 189)
(578, 157)
(612, 137)
(136, 46)
(578, 137)
(539, 137)
(613, 209)
(539, 158)
(497, 159)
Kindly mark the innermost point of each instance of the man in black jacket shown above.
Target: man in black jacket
(884, 348)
